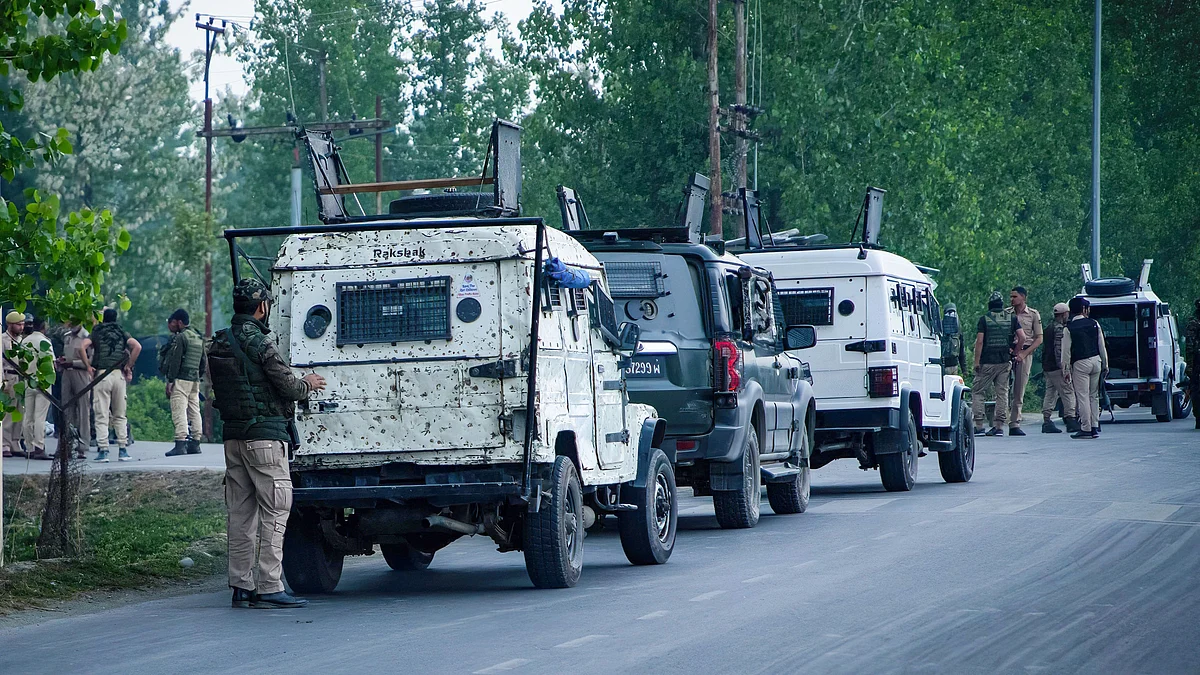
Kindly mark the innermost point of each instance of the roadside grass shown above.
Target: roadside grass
(136, 528)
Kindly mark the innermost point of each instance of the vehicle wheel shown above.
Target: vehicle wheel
(792, 496)
(405, 558)
(1180, 410)
(310, 564)
(898, 470)
(959, 465)
(648, 534)
(740, 508)
(554, 535)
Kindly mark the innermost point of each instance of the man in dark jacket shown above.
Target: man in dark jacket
(255, 393)
(1057, 388)
(996, 334)
(181, 361)
(114, 351)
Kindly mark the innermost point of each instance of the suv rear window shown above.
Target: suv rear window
(635, 279)
(812, 306)
(400, 310)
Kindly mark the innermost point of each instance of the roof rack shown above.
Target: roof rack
(332, 181)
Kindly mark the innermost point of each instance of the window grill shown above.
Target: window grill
(400, 310)
(603, 314)
(635, 279)
(578, 300)
(811, 306)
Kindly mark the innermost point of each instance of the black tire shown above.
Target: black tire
(739, 509)
(554, 535)
(898, 470)
(958, 465)
(792, 496)
(310, 564)
(1179, 410)
(648, 534)
(442, 203)
(1110, 287)
(405, 558)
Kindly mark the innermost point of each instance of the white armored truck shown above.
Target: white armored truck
(473, 389)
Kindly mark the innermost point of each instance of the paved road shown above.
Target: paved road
(147, 456)
(1061, 556)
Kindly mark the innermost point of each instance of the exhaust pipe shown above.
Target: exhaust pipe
(453, 525)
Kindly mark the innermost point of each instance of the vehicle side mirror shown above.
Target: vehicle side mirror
(950, 325)
(630, 334)
(800, 337)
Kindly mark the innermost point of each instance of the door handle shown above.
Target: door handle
(935, 361)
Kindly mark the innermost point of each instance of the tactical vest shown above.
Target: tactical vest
(950, 347)
(1052, 348)
(248, 406)
(193, 355)
(108, 344)
(1085, 338)
(997, 338)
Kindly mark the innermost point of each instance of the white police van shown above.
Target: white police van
(1142, 340)
(882, 397)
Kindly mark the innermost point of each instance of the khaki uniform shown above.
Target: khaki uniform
(181, 362)
(1030, 321)
(258, 492)
(37, 405)
(11, 430)
(990, 375)
(75, 379)
(185, 410)
(1056, 385)
(1085, 375)
(109, 345)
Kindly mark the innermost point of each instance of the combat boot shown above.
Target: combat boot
(242, 598)
(1198, 422)
(280, 600)
(193, 446)
(1049, 427)
(179, 449)
(1072, 424)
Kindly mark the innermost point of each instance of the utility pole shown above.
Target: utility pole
(211, 32)
(378, 155)
(739, 94)
(324, 95)
(714, 132)
(1096, 149)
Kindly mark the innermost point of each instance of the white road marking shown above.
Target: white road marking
(995, 505)
(806, 563)
(848, 548)
(706, 596)
(1137, 511)
(886, 535)
(924, 522)
(757, 579)
(653, 615)
(850, 505)
(502, 667)
(832, 635)
(571, 644)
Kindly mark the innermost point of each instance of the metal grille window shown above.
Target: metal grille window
(635, 279)
(603, 314)
(401, 310)
(812, 306)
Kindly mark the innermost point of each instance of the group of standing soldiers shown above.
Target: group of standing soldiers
(93, 370)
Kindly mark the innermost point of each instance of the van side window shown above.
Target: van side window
(762, 311)
(925, 313)
(780, 320)
(736, 302)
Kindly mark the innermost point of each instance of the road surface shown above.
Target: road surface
(146, 456)
(1060, 556)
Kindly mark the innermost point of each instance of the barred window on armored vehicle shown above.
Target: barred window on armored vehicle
(401, 310)
(635, 279)
(811, 306)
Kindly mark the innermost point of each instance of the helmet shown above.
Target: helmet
(950, 309)
(251, 290)
(995, 300)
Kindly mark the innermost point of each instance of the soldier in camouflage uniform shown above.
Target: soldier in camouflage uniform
(255, 393)
(954, 356)
(115, 351)
(181, 361)
(1191, 336)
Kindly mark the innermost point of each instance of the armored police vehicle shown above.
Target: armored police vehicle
(882, 396)
(475, 383)
(1142, 340)
(714, 359)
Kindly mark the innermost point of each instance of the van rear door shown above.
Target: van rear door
(837, 307)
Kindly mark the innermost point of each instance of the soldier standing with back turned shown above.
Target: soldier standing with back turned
(255, 393)
(1030, 321)
(181, 361)
(1057, 388)
(996, 332)
(954, 355)
(1191, 337)
(114, 352)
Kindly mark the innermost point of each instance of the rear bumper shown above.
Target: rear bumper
(454, 493)
(400, 483)
(858, 419)
(722, 444)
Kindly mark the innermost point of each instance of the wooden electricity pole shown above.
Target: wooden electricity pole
(714, 133)
(739, 94)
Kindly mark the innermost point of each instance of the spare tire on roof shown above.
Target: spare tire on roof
(443, 204)
(1108, 287)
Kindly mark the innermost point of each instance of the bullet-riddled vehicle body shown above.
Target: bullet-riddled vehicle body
(423, 331)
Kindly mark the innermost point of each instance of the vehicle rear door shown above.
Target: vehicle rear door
(838, 308)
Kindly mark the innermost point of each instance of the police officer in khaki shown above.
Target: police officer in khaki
(996, 332)
(75, 379)
(114, 352)
(181, 361)
(1057, 388)
(255, 393)
(1030, 321)
(14, 325)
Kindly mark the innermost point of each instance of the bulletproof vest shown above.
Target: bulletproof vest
(950, 345)
(193, 354)
(1052, 348)
(997, 338)
(108, 344)
(249, 408)
(1085, 339)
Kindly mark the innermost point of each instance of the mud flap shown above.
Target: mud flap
(891, 441)
(651, 437)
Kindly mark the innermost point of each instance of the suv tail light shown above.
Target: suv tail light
(729, 367)
(882, 381)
